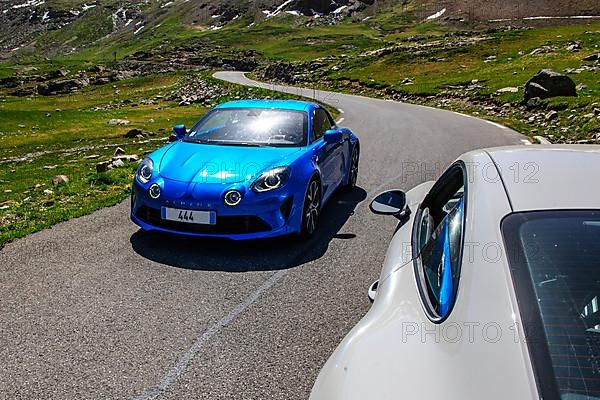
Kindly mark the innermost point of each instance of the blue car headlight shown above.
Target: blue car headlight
(271, 179)
(144, 172)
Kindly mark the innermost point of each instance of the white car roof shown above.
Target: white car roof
(543, 177)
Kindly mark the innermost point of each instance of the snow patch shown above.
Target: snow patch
(128, 22)
(545, 18)
(46, 17)
(294, 12)
(215, 16)
(167, 4)
(436, 15)
(29, 3)
(339, 9)
(86, 7)
(569, 17)
(138, 30)
(278, 9)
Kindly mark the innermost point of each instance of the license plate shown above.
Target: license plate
(189, 216)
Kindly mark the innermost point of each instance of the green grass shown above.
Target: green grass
(436, 71)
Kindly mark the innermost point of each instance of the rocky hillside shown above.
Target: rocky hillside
(515, 11)
(23, 22)
(50, 27)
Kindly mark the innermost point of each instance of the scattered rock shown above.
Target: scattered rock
(24, 91)
(59, 73)
(126, 158)
(119, 151)
(135, 133)
(592, 57)
(581, 86)
(103, 166)
(117, 121)
(548, 83)
(60, 179)
(50, 166)
(117, 163)
(10, 82)
(509, 89)
(21, 126)
(92, 157)
(48, 192)
(543, 50)
(62, 86)
(4, 207)
(534, 102)
(574, 47)
(551, 115)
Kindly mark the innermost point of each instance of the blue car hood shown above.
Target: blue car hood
(203, 163)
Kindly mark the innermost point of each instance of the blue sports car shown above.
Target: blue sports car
(247, 169)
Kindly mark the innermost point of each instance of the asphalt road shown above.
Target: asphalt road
(93, 308)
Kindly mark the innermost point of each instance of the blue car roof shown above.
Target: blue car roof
(278, 104)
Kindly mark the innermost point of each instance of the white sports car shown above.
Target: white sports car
(490, 285)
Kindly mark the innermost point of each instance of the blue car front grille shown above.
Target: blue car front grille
(225, 224)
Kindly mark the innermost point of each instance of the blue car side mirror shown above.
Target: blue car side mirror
(332, 136)
(180, 131)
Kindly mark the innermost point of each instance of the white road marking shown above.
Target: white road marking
(183, 362)
(201, 341)
(495, 124)
(339, 121)
(481, 119)
(542, 140)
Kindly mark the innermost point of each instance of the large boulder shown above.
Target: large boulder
(548, 83)
(10, 82)
(64, 86)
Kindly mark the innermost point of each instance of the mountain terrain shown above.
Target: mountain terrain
(34, 23)
(87, 88)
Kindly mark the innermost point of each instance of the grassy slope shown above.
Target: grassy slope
(436, 70)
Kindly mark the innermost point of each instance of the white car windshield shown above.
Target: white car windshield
(555, 263)
(251, 127)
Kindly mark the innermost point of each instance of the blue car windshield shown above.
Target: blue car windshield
(251, 127)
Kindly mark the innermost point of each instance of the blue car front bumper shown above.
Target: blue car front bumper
(259, 215)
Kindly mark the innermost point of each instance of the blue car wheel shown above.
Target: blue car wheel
(311, 209)
(353, 169)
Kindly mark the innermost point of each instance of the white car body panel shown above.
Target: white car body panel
(399, 252)
(550, 177)
(396, 352)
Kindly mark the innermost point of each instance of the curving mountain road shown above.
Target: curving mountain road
(92, 308)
